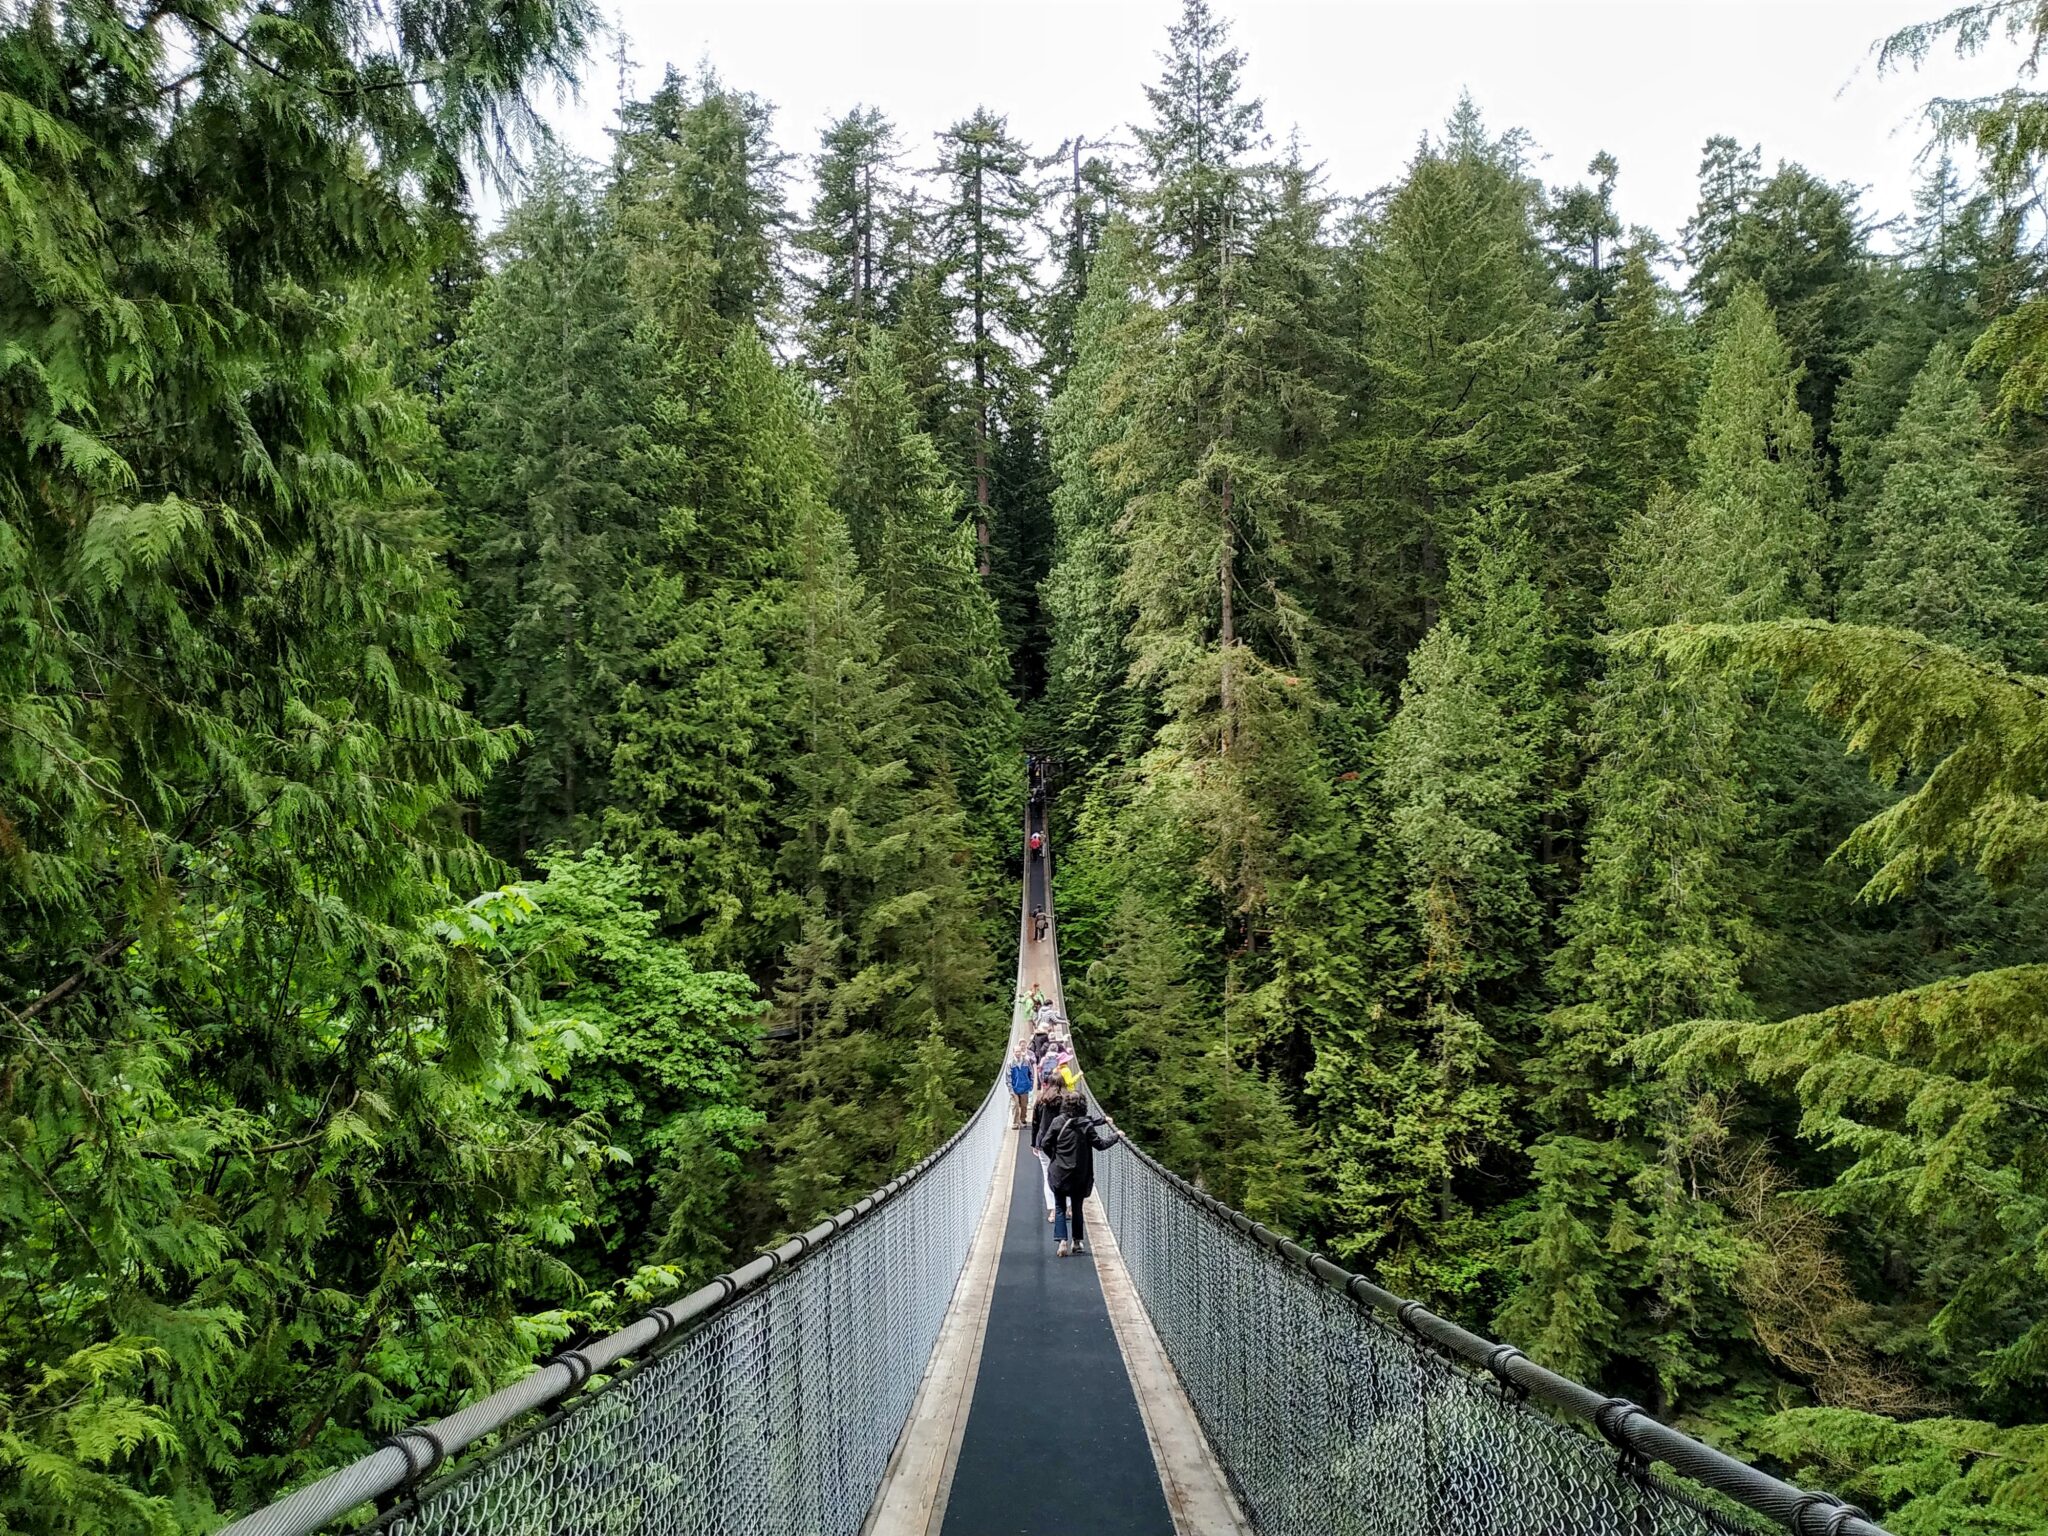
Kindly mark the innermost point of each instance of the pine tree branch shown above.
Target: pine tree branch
(115, 947)
(203, 25)
(58, 1200)
(112, 950)
(319, 1130)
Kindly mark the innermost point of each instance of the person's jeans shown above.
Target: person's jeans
(1066, 1216)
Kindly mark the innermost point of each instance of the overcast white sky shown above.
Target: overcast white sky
(1648, 81)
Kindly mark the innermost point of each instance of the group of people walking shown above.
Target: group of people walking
(1045, 1084)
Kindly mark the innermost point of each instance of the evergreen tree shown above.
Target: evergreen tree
(1096, 717)
(1460, 337)
(1452, 766)
(1092, 195)
(1803, 242)
(1585, 234)
(257, 1045)
(940, 624)
(1467, 767)
(703, 722)
(698, 155)
(985, 261)
(1943, 283)
(1022, 549)
(2005, 128)
(1213, 457)
(1623, 1260)
(1187, 520)
(1948, 552)
(1924, 1096)
(1729, 179)
(1754, 485)
(557, 497)
(883, 979)
(852, 242)
(1642, 394)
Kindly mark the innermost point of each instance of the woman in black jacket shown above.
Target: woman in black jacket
(1070, 1144)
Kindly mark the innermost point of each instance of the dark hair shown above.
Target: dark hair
(1074, 1104)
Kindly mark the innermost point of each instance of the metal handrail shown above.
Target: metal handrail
(1627, 1426)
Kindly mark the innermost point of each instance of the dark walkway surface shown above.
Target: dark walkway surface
(1054, 1444)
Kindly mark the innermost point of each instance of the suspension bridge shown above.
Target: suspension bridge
(921, 1364)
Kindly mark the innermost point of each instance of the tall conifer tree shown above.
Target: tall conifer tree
(852, 242)
(1096, 715)
(983, 251)
(1622, 1258)
(1460, 333)
(556, 495)
(1948, 552)
(940, 623)
(1642, 394)
(697, 154)
(1468, 766)
(248, 1063)
(884, 974)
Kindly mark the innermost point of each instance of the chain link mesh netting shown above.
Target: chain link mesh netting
(1332, 1420)
(775, 1416)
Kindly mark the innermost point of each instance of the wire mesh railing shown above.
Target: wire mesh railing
(1338, 1409)
(765, 1404)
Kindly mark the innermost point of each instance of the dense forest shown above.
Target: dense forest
(510, 740)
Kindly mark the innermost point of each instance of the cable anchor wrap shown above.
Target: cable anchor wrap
(1498, 1359)
(1611, 1419)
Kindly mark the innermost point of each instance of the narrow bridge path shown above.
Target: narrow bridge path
(1062, 1411)
(1054, 1440)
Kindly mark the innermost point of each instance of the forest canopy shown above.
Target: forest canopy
(511, 740)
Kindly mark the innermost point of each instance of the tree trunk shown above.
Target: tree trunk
(981, 509)
(864, 251)
(1226, 580)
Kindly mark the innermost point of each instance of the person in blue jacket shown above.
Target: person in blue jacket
(1021, 1072)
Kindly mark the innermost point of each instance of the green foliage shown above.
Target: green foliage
(697, 155)
(1947, 553)
(1931, 1477)
(918, 560)
(1802, 242)
(1973, 736)
(1465, 766)
(1662, 924)
(704, 721)
(1643, 394)
(557, 480)
(852, 241)
(1460, 378)
(667, 1067)
(1087, 699)
(2008, 130)
(272, 1182)
(1418, 596)
(1929, 1097)
(882, 985)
